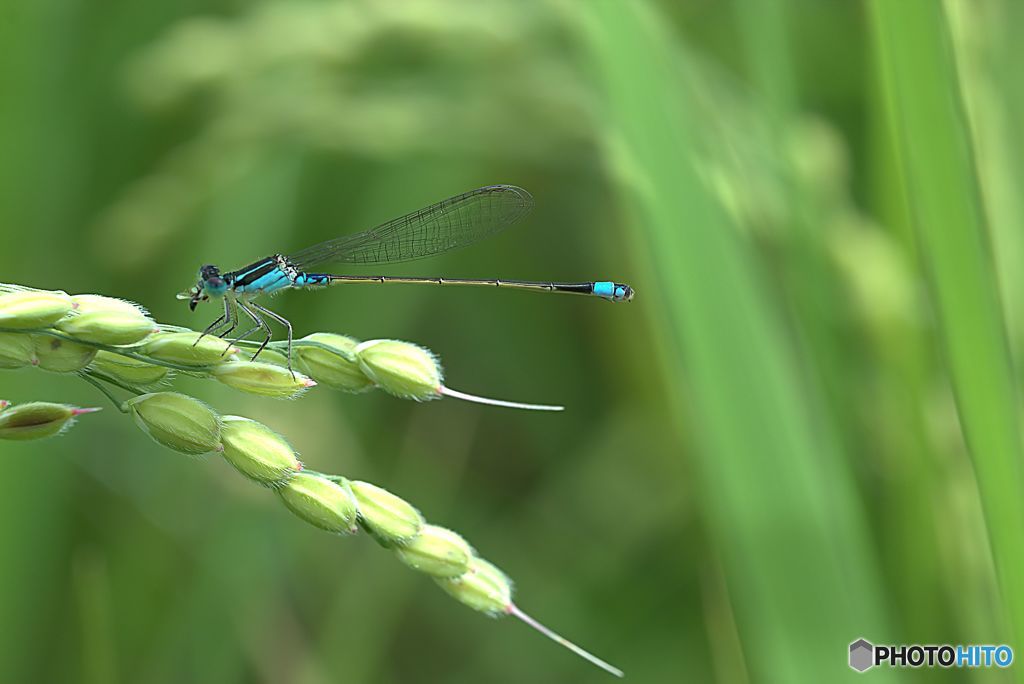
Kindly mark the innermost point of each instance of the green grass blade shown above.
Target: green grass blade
(776, 492)
(925, 106)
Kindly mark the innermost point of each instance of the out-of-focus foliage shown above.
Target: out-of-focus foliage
(361, 79)
(763, 456)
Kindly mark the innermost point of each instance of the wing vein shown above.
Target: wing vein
(449, 224)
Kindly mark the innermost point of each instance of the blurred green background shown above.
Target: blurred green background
(804, 430)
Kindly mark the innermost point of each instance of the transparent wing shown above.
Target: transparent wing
(450, 224)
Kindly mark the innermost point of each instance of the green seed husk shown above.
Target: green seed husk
(108, 326)
(337, 367)
(60, 356)
(391, 520)
(89, 303)
(258, 452)
(401, 368)
(438, 552)
(264, 379)
(127, 370)
(16, 351)
(483, 587)
(275, 357)
(321, 503)
(33, 308)
(37, 420)
(177, 421)
(180, 348)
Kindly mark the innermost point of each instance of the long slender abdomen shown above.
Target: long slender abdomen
(616, 292)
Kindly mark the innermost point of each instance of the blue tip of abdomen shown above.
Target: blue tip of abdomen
(617, 292)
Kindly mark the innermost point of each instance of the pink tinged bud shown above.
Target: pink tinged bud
(332, 362)
(177, 421)
(90, 303)
(320, 502)
(102, 326)
(33, 308)
(262, 378)
(107, 320)
(401, 368)
(60, 356)
(37, 420)
(258, 452)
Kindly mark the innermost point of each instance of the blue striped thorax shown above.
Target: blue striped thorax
(263, 277)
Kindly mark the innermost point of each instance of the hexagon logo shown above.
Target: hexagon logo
(862, 655)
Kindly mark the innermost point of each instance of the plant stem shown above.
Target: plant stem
(120, 351)
(98, 385)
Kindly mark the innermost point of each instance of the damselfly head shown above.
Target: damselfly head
(211, 284)
(207, 272)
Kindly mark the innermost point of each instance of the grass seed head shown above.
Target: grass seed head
(127, 370)
(16, 351)
(336, 367)
(438, 552)
(33, 308)
(262, 378)
(320, 502)
(275, 357)
(108, 326)
(258, 452)
(37, 420)
(182, 349)
(401, 368)
(177, 421)
(60, 356)
(390, 519)
(107, 320)
(482, 587)
(88, 303)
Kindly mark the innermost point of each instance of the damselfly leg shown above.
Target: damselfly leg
(232, 311)
(262, 325)
(283, 321)
(225, 319)
(249, 331)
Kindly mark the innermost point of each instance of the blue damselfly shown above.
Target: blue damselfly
(450, 224)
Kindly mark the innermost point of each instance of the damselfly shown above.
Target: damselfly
(450, 224)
